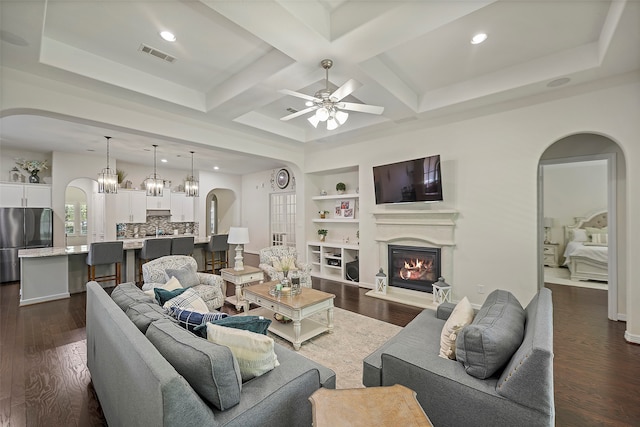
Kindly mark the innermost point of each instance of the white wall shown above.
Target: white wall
(573, 190)
(489, 167)
(230, 202)
(9, 156)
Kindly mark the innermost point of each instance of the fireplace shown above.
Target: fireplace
(413, 267)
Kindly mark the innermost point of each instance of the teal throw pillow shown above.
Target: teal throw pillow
(162, 295)
(257, 324)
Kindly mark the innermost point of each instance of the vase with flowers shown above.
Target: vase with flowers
(33, 167)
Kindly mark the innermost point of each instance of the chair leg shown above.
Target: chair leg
(118, 272)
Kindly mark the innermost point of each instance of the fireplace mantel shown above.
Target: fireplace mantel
(413, 227)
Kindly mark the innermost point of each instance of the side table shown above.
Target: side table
(371, 406)
(240, 278)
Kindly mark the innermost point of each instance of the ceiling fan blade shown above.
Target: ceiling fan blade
(362, 108)
(299, 95)
(345, 90)
(299, 113)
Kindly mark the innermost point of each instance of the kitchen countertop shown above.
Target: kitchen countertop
(128, 244)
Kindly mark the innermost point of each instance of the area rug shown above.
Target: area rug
(354, 337)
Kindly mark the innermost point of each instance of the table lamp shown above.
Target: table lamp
(548, 223)
(238, 236)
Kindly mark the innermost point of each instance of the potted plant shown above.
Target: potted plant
(340, 187)
(323, 234)
(323, 214)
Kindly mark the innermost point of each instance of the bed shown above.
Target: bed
(586, 252)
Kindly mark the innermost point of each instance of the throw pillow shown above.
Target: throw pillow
(210, 369)
(187, 299)
(187, 275)
(579, 235)
(189, 319)
(254, 352)
(163, 295)
(171, 285)
(257, 324)
(495, 334)
(599, 238)
(461, 316)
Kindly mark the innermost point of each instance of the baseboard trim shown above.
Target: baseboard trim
(632, 338)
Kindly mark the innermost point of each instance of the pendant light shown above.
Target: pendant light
(108, 178)
(154, 184)
(191, 184)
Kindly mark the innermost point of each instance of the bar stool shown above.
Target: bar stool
(217, 245)
(104, 253)
(182, 245)
(152, 249)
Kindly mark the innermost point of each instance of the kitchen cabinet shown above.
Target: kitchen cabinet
(182, 207)
(131, 206)
(25, 195)
(160, 203)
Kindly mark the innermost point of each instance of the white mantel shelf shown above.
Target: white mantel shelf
(416, 217)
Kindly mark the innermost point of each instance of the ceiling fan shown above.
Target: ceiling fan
(328, 106)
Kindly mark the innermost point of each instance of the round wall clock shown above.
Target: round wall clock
(282, 178)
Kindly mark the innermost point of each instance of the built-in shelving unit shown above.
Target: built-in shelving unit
(329, 258)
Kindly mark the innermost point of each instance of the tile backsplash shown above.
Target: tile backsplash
(162, 223)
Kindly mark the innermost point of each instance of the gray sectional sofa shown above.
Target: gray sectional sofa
(137, 386)
(518, 394)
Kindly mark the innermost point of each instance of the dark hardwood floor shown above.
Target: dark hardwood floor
(44, 380)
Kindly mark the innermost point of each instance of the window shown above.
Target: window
(75, 219)
(283, 219)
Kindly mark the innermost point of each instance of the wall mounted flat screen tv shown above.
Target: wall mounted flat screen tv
(417, 180)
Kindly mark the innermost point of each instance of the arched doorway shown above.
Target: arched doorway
(219, 212)
(84, 214)
(584, 149)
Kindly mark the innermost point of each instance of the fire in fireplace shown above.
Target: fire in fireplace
(413, 267)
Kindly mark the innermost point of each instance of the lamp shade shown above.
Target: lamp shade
(238, 236)
(548, 222)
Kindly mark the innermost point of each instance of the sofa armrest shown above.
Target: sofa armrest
(213, 280)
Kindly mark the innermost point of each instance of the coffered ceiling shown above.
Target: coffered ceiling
(230, 58)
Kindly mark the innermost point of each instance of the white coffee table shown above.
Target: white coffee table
(297, 308)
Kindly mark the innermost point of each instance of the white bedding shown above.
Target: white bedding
(596, 253)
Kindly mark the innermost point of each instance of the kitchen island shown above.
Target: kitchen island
(48, 274)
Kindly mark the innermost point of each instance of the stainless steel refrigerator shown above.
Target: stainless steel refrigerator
(22, 228)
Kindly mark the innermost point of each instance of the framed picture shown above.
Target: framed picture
(345, 209)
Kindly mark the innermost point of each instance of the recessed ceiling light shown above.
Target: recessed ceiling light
(559, 82)
(168, 36)
(215, 168)
(164, 160)
(478, 38)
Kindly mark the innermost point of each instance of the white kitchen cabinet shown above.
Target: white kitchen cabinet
(160, 203)
(131, 206)
(25, 195)
(182, 207)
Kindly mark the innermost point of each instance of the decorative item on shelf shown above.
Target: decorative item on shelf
(33, 167)
(238, 236)
(381, 282)
(121, 176)
(441, 291)
(154, 185)
(358, 236)
(323, 192)
(341, 187)
(191, 185)
(15, 175)
(323, 214)
(548, 223)
(323, 234)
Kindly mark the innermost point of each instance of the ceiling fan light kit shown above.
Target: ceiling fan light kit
(327, 105)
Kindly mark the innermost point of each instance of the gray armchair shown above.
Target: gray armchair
(212, 289)
(302, 270)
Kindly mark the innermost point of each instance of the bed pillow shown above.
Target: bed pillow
(600, 238)
(461, 316)
(579, 235)
(254, 352)
(210, 369)
(187, 299)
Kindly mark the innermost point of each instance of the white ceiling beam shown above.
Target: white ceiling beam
(390, 81)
